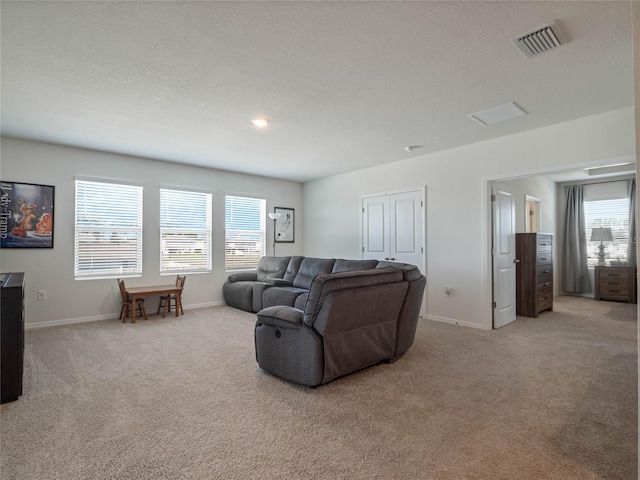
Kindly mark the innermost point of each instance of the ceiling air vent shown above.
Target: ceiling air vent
(540, 40)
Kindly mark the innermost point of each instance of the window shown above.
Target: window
(613, 214)
(185, 231)
(108, 236)
(245, 232)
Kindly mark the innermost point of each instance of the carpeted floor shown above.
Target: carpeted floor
(547, 398)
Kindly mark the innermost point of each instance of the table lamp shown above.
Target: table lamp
(601, 235)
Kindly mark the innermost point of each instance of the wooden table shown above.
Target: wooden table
(136, 292)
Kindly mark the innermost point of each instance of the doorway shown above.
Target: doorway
(547, 210)
(532, 214)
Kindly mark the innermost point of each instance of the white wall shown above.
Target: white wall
(52, 269)
(540, 187)
(457, 204)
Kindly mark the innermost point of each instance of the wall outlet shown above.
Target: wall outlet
(447, 291)
(42, 294)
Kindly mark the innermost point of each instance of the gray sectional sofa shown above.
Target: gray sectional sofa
(319, 319)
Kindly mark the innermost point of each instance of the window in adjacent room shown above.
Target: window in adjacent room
(108, 230)
(611, 213)
(245, 232)
(185, 231)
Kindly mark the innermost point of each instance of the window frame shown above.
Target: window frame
(117, 226)
(206, 230)
(619, 246)
(262, 233)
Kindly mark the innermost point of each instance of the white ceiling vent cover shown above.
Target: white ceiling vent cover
(540, 40)
(498, 114)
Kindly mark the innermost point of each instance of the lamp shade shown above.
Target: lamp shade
(274, 216)
(601, 235)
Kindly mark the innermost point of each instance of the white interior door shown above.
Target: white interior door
(393, 227)
(375, 227)
(405, 228)
(504, 256)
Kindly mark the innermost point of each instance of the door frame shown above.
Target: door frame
(486, 225)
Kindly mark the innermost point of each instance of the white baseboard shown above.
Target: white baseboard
(109, 316)
(453, 321)
(69, 321)
(204, 305)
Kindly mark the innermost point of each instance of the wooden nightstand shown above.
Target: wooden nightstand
(616, 283)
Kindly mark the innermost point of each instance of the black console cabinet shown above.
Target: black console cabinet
(11, 336)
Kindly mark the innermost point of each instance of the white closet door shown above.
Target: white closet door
(375, 227)
(405, 227)
(393, 226)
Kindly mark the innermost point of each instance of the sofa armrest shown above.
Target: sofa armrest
(244, 277)
(278, 282)
(281, 316)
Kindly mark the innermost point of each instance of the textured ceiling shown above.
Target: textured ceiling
(346, 85)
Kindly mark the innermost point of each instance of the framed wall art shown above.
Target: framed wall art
(285, 228)
(26, 215)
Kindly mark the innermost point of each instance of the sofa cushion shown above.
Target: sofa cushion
(351, 265)
(292, 268)
(309, 268)
(301, 300)
(272, 267)
(281, 296)
(278, 282)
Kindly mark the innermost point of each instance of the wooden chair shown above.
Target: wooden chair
(127, 303)
(167, 300)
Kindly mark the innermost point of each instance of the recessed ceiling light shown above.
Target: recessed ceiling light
(498, 114)
(260, 122)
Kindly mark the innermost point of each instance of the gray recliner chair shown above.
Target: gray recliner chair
(349, 322)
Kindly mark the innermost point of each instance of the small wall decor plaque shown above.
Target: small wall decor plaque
(26, 215)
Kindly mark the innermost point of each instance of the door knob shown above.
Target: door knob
(515, 260)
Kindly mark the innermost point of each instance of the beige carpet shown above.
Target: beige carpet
(547, 398)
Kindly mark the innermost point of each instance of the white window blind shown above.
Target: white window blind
(185, 231)
(108, 230)
(245, 232)
(614, 214)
